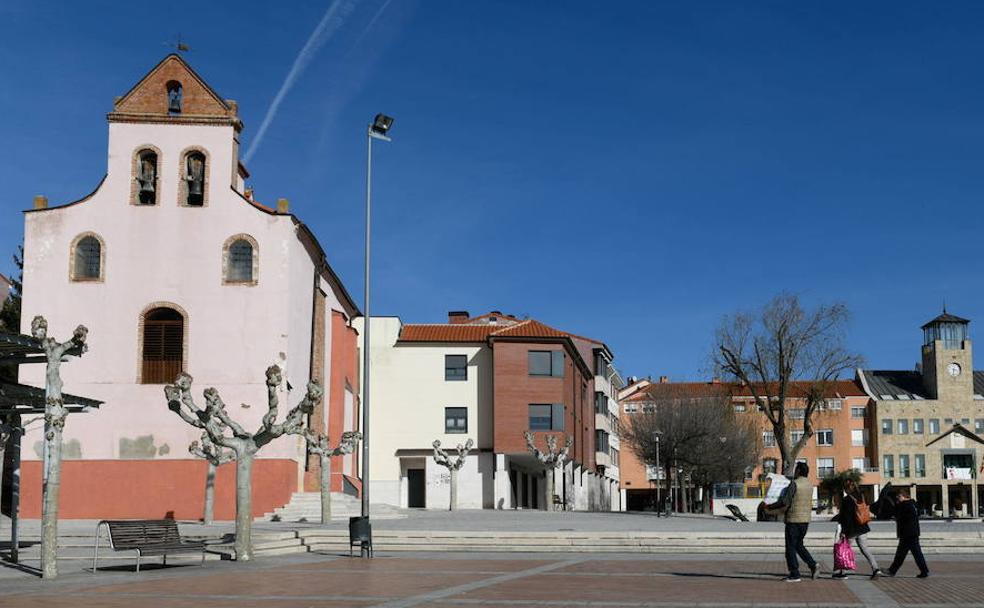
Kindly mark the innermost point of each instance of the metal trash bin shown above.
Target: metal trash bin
(360, 533)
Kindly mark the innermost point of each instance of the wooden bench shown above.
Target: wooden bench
(146, 537)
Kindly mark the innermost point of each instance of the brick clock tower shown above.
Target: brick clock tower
(947, 359)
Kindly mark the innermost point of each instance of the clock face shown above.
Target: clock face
(953, 369)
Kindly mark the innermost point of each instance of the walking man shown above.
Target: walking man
(907, 530)
(797, 499)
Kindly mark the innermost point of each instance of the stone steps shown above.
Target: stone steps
(306, 507)
(269, 543)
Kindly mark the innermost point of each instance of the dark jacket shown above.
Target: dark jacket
(847, 517)
(906, 519)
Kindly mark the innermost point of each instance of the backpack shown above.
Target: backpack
(862, 513)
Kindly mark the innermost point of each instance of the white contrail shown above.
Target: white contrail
(328, 25)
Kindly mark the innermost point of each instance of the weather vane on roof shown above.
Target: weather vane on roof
(178, 45)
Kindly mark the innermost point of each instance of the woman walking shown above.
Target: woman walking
(853, 522)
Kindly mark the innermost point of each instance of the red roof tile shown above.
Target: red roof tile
(838, 388)
(466, 332)
(446, 333)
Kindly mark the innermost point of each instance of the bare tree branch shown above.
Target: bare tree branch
(786, 355)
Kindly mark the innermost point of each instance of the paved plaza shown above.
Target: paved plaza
(476, 580)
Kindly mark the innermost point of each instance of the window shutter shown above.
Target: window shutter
(557, 363)
(557, 417)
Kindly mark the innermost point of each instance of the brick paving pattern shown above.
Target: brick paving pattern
(477, 581)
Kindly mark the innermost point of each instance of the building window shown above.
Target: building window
(615, 457)
(861, 464)
(835, 404)
(825, 467)
(917, 426)
(546, 363)
(859, 437)
(769, 465)
(546, 416)
(979, 425)
(965, 421)
(903, 426)
(601, 365)
(455, 367)
(240, 262)
(904, 465)
(934, 426)
(631, 408)
(455, 420)
(825, 437)
(87, 258)
(601, 403)
(887, 426)
(858, 412)
(740, 407)
(797, 413)
(174, 97)
(920, 465)
(795, 436)
(163, 346)
(601, 441)
(145, 178)
(948, 422)
(768, 439)
(888, 465)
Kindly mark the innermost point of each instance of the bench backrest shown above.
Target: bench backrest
(133, 533)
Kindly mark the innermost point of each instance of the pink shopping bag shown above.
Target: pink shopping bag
(844, 555)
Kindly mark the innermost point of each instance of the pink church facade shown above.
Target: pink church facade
(172, 266)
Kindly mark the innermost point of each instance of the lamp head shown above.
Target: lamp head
(381, 124)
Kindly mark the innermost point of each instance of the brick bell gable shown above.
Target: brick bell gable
(147, 100)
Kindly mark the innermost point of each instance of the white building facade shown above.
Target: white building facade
(173, 267)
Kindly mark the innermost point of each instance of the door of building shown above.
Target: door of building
(416, 489)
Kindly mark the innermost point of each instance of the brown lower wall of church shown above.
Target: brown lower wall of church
(154, 489)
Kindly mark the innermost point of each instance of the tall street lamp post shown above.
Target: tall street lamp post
(658, 505)
(377, 130)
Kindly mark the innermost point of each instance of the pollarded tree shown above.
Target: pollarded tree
(215, 457)
(782, 347)
(318, 444)
(55, 414)
(223, 431)
(553, 459)
(453, 465)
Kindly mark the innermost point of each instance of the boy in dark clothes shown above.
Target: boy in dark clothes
(907, 530)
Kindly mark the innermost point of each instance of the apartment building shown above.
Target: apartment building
(928, 422)
(842, 439)
(489, 378)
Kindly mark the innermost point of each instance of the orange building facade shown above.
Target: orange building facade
(842, 437)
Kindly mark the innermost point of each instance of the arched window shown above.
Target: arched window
(146, 177)
(240, 262)
(163, 345)
(194, 177)
(87, 262)
(173, 97)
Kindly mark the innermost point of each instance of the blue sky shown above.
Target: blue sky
(631, 171)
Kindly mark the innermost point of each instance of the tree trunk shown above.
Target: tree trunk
(209, 515)
(244, 506)
(454, 489)
(550, 489)
(325, 488)
(49, 509)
